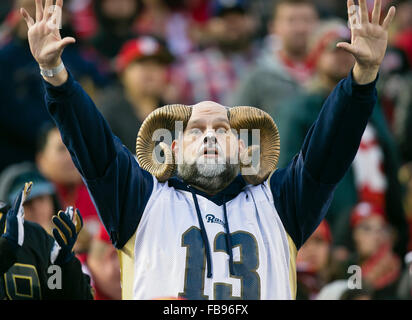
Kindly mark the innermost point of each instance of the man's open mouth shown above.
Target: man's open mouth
(210, 152)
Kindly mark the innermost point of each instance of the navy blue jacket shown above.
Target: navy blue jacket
(302, 191)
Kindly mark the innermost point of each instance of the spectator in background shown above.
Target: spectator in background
(27, 252)
(41, 204)
(262, 11)
(102, 265)
(333, 64)
(22, 94)
(373, 240)
(213, 73)
(285, 64)
(373, 174)
(396, 98)
(402, 37)
(115, 20)
(170, 20)
(83, 18)
(54, 162)
(313, 263)
(142, 66)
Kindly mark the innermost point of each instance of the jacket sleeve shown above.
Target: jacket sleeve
(304, 189)
(119, 188)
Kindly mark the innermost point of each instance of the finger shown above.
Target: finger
(60, 45)
(389, 17)
(48, 10)
(68, 223)
(62, 226)
(29, 20)
(353, 14)
(347, 47)
(376, 13)
(350, 4)
(63, 231)
(60, 239)
(364, 17)
(39, 10)
(27, 190)
(79, 220)
(25, 194)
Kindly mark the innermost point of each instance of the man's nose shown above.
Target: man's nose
(209, 137)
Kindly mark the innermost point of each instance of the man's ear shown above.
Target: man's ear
(242, 146)
(175, 147)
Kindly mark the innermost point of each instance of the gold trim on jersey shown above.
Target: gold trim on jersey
(126, 259)
(292, 266)
(292, 254)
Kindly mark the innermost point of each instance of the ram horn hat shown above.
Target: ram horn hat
(241, 117)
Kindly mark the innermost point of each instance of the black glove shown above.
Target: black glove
(14, 229)
(67, 226)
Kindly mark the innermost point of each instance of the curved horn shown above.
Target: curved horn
(162, 118)
(244, 117)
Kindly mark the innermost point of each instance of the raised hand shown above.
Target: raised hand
(15, 218)
(67, 226)
(369, 39)
(45, 42)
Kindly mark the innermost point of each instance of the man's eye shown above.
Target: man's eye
(221, 130)
(195, 131)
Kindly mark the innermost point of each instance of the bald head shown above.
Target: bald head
(209, 109)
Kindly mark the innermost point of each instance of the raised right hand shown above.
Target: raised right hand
(45, 42)
(67, 226)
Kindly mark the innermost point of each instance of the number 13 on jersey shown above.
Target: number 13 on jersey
(245, 268)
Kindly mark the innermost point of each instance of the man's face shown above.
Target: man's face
(208, 149)
(233, 30)
(40, 210)
(55, 163)
(293, 25)
(119, 9)
(369, 235)
(145, 78)
(335, 64)
(314, 254)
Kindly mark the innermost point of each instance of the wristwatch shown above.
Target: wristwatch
(50, 73)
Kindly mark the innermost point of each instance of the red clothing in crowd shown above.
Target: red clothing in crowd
(79, 198)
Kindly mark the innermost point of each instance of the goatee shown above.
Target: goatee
(209, 177)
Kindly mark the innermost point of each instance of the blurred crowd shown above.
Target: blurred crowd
(133, 56)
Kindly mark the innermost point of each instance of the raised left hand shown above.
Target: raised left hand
(14, 232)
(369, 39)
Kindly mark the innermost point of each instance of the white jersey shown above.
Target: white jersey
(156, 226)
(162, 259)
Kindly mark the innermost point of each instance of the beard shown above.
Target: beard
(211, 177)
